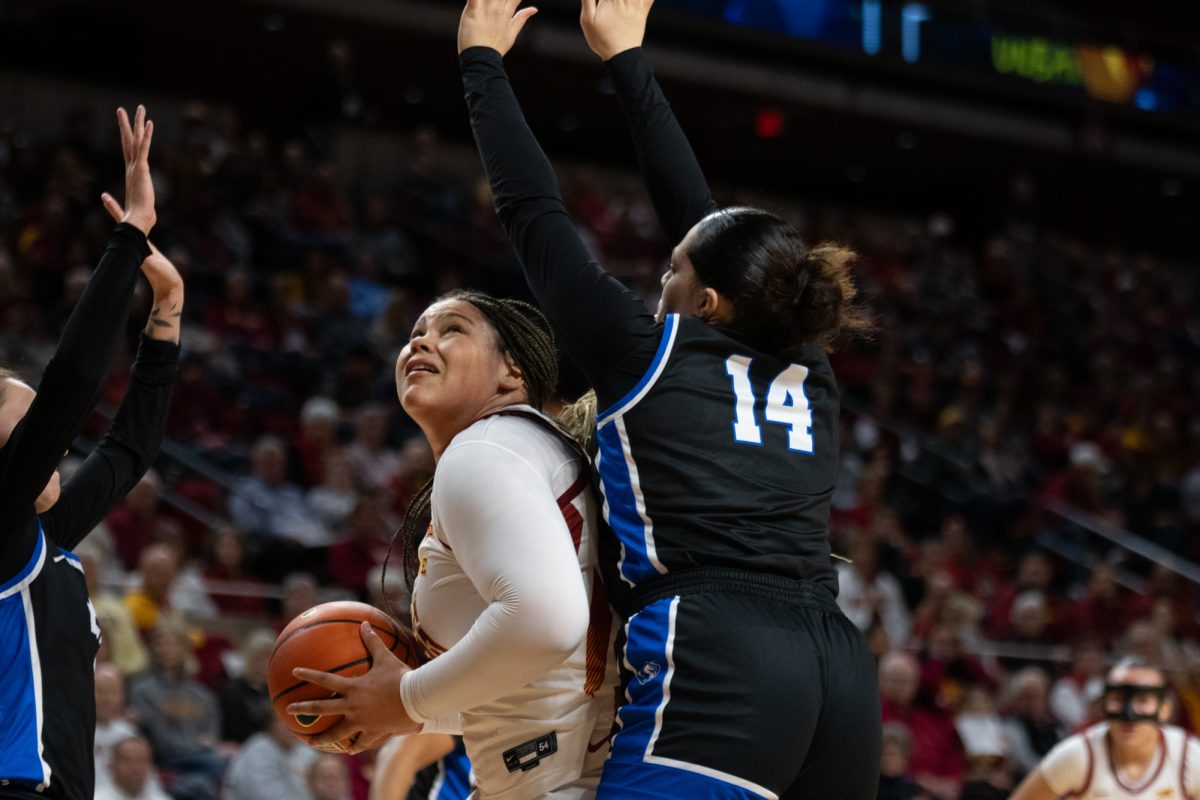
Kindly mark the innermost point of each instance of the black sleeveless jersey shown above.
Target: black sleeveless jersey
(721, 456)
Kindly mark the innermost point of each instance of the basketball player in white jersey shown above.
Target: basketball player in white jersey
(1132, 754)
(506, 597)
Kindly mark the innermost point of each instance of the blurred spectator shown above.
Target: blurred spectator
(121, 635)
(390, 591)
(179, 716)
(131, 773)
(947, 670)
(264, 767)
(1071, 696)
(1030, 621)
(375, 465)
(201, 412)
(1144, 640)
(239, 321)
(1164, 616)
(244, 698)
(1081, 483)
(189, 593)
(135, 522)
(416, 468)
(265, 505)
(334, 498)
(985, 746)
(1031, 729)
(368, 538)
(867, 594)
(112, 724)
(299, 595)
(894, 781)
(1104, 611)
(229, 567)
(151, 600)
(329, 778)
(937, 754)
(1035, 573)
(316, 440)
(1187, 686)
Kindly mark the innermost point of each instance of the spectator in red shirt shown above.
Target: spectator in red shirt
(229, 566)
(135, 523)
(937, 760)
(368, 537)
(1035, 572)
(1104, 611)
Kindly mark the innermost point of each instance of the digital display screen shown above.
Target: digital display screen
(1022, 52)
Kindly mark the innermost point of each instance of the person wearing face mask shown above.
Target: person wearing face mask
(1134, 753)
(49, 633)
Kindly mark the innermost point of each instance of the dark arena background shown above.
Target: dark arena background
(1019, 487)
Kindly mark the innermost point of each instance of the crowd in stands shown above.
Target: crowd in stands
(1012, 372)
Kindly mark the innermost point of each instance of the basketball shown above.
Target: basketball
(326, 638)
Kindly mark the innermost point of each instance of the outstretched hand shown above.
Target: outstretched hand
(139, 188)
(370, 704)
(492, 23)
(165, 283)
(614, 26)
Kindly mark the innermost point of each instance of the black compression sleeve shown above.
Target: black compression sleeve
(600, 323)
(70, 386)
(673, 176)
(125, 452)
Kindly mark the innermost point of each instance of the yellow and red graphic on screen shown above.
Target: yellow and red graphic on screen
(1106, 72)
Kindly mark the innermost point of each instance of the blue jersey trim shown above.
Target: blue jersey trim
(623, 780)
(647, 656)
(20, 753)
(30, 566)
(456, 776)
(621, 511)
(664, 345)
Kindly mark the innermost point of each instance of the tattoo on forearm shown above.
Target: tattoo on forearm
(162, 323)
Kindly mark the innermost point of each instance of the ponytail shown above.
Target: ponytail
(785, 296)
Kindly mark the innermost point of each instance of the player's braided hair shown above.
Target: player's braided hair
(525, 337)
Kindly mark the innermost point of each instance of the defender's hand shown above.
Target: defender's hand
(492, 23)
(139, 188)
(614, 26)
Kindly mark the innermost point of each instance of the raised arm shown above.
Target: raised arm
(132, 442)
(600, 323)
(72, 381)
(614, 29)
(126, 451)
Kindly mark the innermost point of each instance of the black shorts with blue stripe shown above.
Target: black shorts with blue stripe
(743, 685)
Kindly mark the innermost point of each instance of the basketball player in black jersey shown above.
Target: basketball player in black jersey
(48, 630)
(717, 454)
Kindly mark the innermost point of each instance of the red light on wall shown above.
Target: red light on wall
(768, 123)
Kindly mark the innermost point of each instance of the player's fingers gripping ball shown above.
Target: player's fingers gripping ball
(327, 638)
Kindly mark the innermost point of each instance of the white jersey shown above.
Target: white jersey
(507, 589)
(1082, 766)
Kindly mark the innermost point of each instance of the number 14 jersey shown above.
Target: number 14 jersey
(720, 456)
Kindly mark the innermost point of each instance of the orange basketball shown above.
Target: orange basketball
(326, 638)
